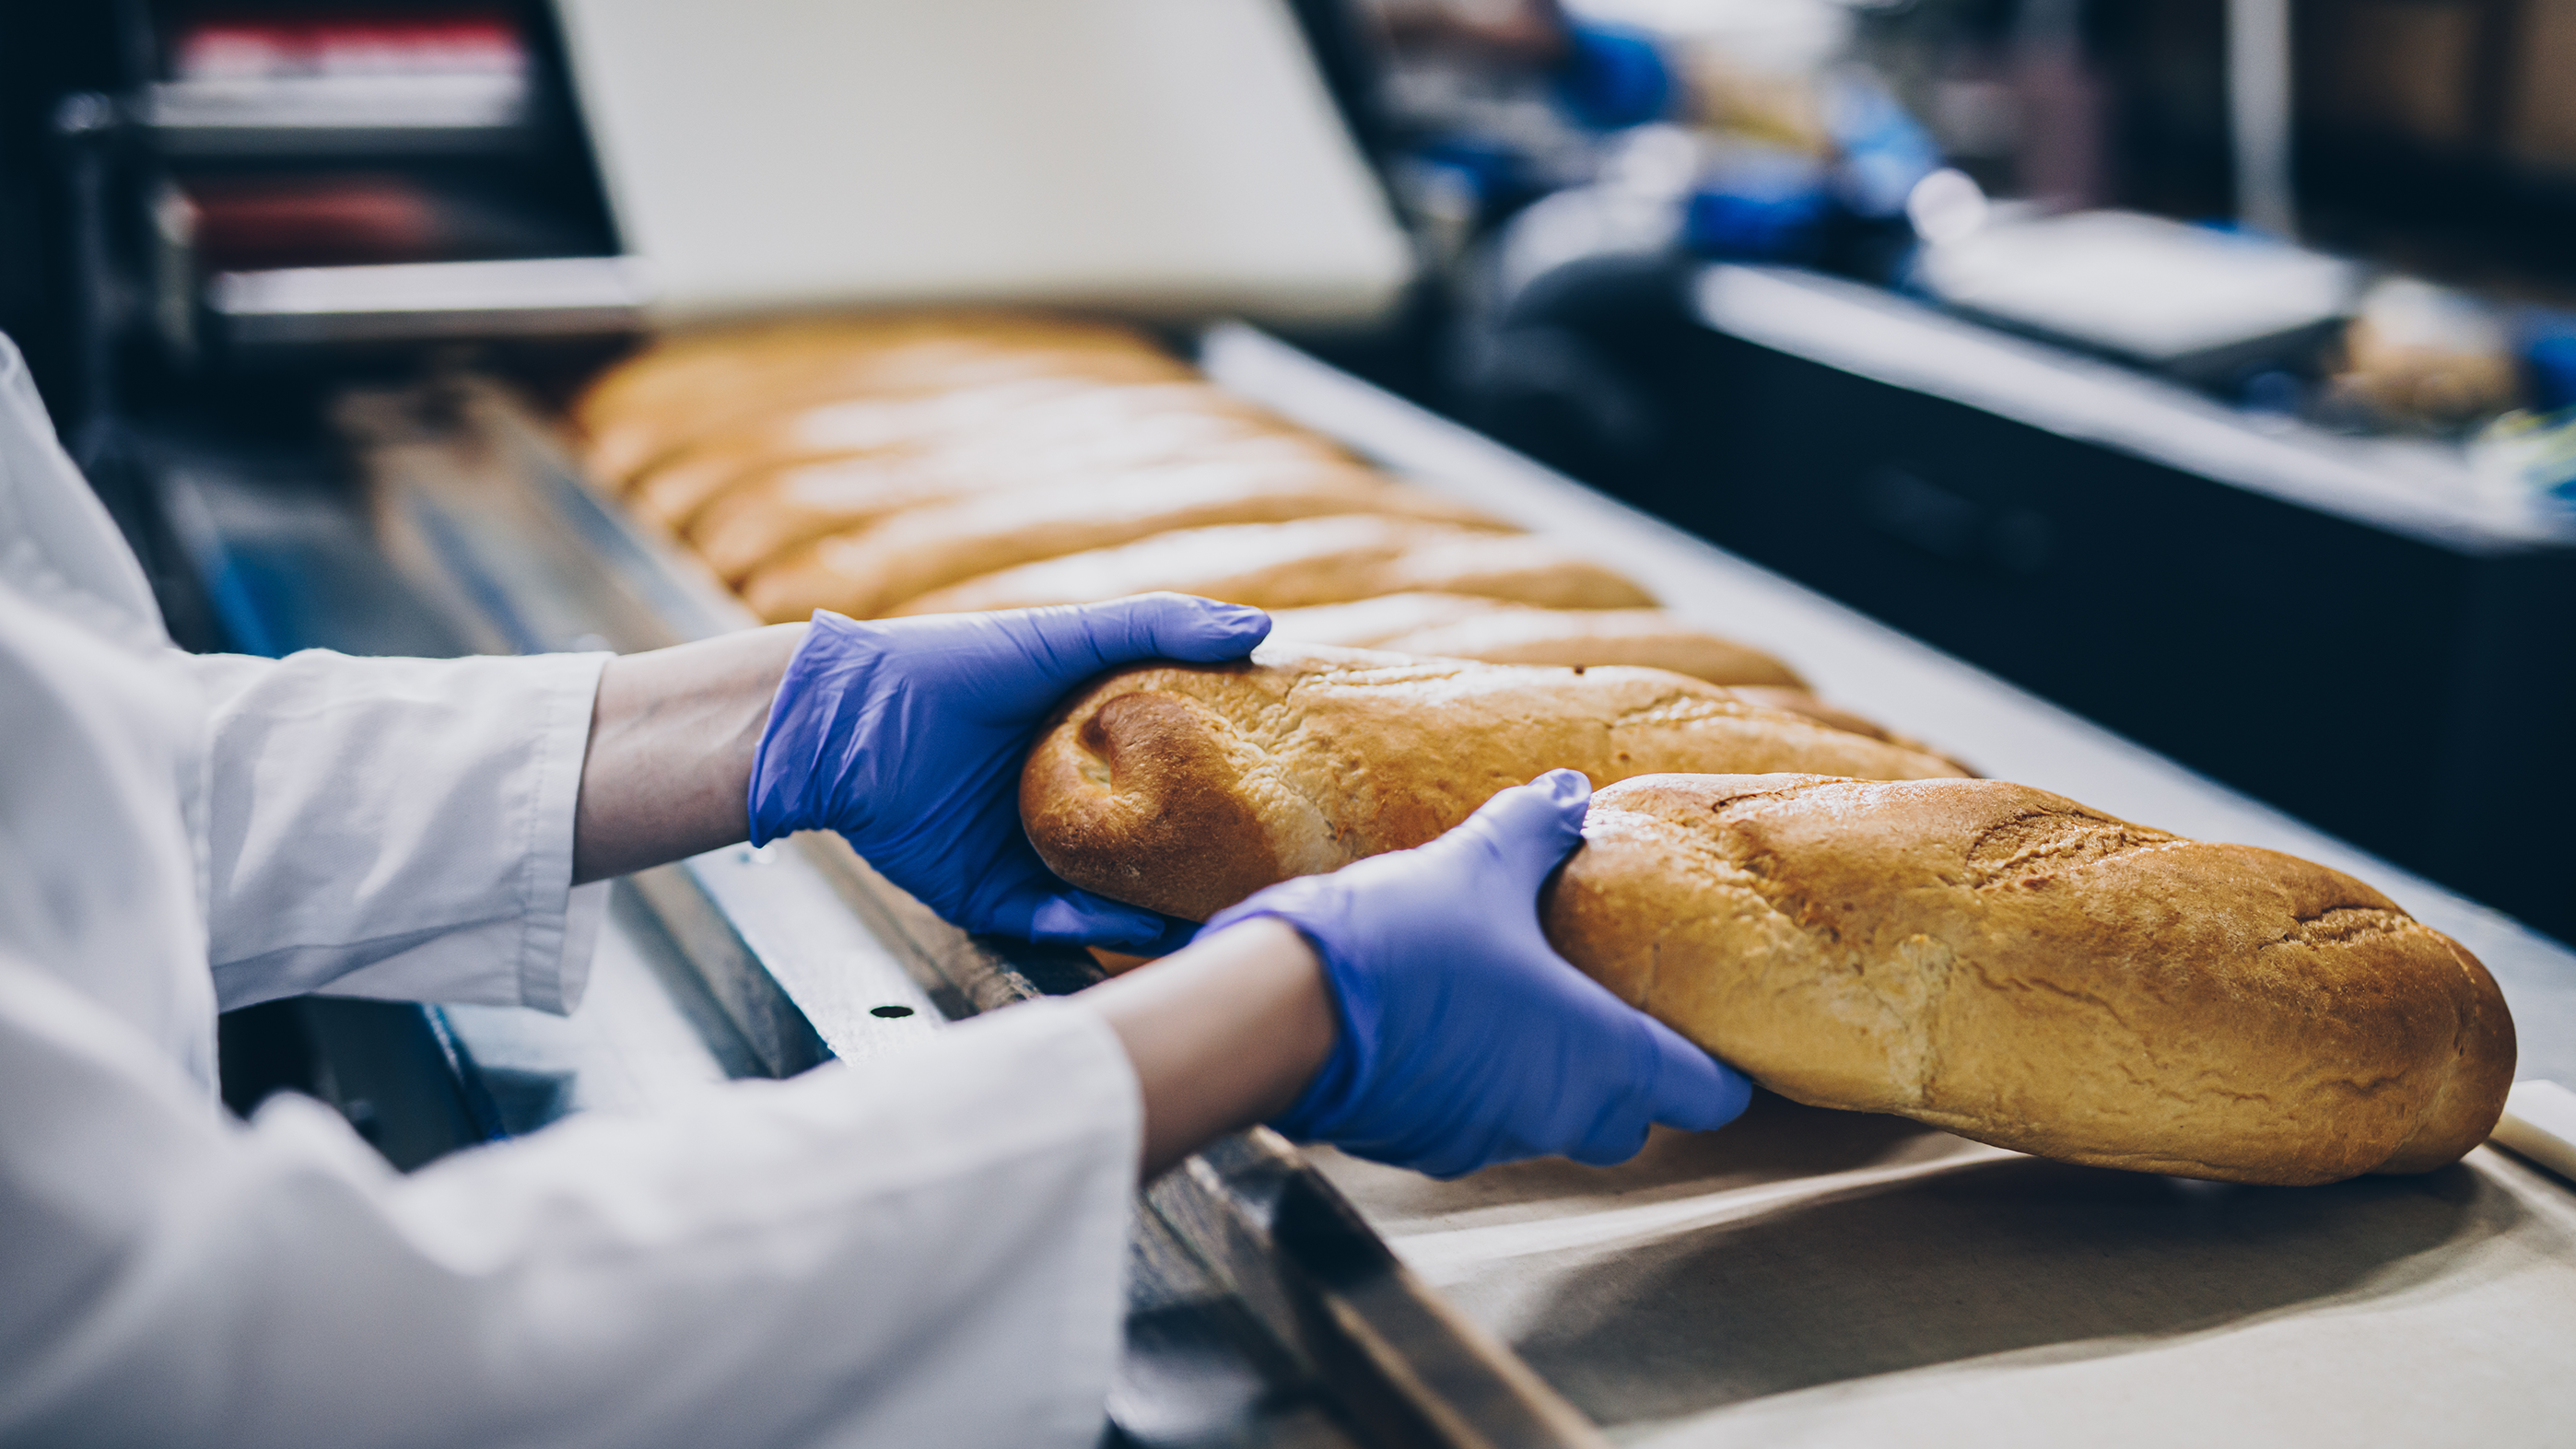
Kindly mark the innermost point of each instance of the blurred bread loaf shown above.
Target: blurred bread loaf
(1070, 429)
(2014, 967)
(674, 490)
(1309, 561)
(1497, 631)
(934, 462)
(1186, 788)
(685, 387)
(867, 571)
(756, 521)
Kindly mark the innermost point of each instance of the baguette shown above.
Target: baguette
(1369, 623)
(1187, 788)
(676, 488)
(1647, 638)
(867, 571)
(1047, 416)
(1310, 561)
(1494, 631)
(2012, 966)
(757, 520)
(677, 393)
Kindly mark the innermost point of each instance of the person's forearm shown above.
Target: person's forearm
(671, 742)
(1223, 1035)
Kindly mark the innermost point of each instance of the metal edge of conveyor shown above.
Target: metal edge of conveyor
(477, 500)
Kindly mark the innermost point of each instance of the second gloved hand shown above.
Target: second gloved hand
(1465, 1039)
(907, 735)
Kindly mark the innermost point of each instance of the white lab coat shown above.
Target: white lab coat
(922, 1251)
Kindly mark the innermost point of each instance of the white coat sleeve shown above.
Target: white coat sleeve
(398, 828)
(923, 1250)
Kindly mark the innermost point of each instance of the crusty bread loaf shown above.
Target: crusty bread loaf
(1053, 417)
(1186, 788)
(1647, 638)
(821, 499)
(1369, 623)
(1496, 631)
(687, 387)
(1310, 561)
(2014, 967)
(758, 519)
(675, 488)
(867, 571)
(1799, 701)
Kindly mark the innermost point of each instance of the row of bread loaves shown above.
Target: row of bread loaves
(940, 462)
(1831, 907)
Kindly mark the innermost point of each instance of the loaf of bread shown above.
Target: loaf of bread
(867, 571)
(688, 386)
(1369, 623)
(675, 488)
(1310, 561)
(1496, 631)
(2014, 967)
(1187, 788)
(758, 519)
(1020, 418)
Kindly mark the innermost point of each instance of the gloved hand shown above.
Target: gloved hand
(906, 735)
(1466, 1040)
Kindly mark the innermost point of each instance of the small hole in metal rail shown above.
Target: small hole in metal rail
(890, 1012)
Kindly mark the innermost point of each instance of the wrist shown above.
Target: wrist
(1223, 1035)
(804, 732)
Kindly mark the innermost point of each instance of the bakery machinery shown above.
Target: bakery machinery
(1805, 1276)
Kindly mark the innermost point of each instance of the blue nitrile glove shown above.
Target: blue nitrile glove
(906, 735)
(1465, 1039)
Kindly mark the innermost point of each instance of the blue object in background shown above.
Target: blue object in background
(2549, 361)
(1760, 206)
(1885, 150)
(1614, 77)
(1492, 171)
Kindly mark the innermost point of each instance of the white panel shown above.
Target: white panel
(1168, 157)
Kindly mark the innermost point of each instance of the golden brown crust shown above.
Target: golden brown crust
(675, 489)
(867, 571)
(2007, 964)
(1310, 561)
(1328, 755)
(1369, 623)
(1644, 638)
(1799, 701)
(687, 387)
(1072, 424)
(1180, 743)
(759, 520)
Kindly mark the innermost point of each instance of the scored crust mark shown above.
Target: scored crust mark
(2349, 925)
(1682, 707)
(1797, 786)
(2043, 841)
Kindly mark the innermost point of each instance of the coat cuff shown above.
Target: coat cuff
(539, 955)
